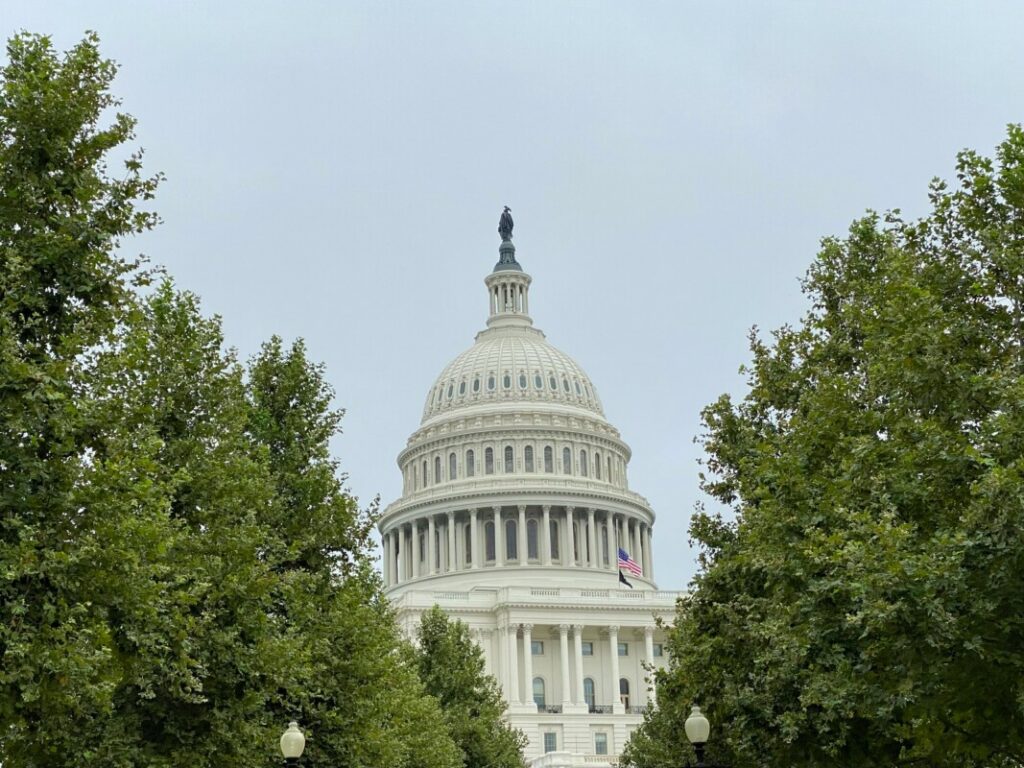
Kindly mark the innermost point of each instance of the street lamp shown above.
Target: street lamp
(697, 730)
(292, 744)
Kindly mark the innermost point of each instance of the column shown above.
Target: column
(386, 570)
(571, 549)
(528, 665)
(613, 649)
(523, 551)
(545, 535)
(501, 660)
(513, 664)
(592, 559)
(650, 554)
(400, 552)
(631, 532)
(613, 555)
(453, 560)
(431, 546)
(499, 538)
(414, 550)
(484, 641)
(563, 647)
(577, 639)
(649, 657)
(474, 535)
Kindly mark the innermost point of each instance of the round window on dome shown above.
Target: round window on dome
(490, 383)
(552, 383)
(476, 384)
(538, 382)
(522, 381)
(506, 381)
(462, 387)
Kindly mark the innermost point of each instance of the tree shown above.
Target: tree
(451, 666)
(863, 605)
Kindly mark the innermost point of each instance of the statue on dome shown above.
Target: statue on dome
(505, 225)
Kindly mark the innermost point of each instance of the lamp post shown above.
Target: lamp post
(292, 744)
(697, 730)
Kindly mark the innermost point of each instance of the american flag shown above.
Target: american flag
(627, 562)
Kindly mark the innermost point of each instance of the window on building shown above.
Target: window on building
(623, 649)
(550, 741)
(451, 391)
(600, 743)
(537, 647)
(491, 383)
(511, 540)
(538, 691)
(470, 464)
(528, 458)
(538, 382)
(583, 463)
(658, 650)
(421, 546)
(554, 539)
(489, 461)
(624, 692)
(549, 459)
(552, 383)
(425, 483)
(467, 544)
(604, 545)
(565, 384)
(588, 692)
(532, 548)
(489, 540)
(609, 469)
(462, 388)
(415, 477)
(588, 648)
(509, 460)
(506, 381)
(597, 465)
(522, 381)
(451, 466)
(566, 461)
(476, 384)
(437, 469)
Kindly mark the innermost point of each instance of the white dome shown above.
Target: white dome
(511, 364)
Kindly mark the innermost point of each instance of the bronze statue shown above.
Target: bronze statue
(505, 225)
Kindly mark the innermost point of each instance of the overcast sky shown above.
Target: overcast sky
(336, 170)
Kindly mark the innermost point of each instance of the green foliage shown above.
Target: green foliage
(451, 666)
(181, 570)
(864, 607)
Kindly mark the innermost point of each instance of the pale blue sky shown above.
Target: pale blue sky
(336, 171)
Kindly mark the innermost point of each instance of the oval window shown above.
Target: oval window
(476, 384)
(451, 391)
(553, 384)
(538, 382)
(507, 381)
(462, 387)
(579, 392)
(490, 383)
(522, 381)
(565, 384)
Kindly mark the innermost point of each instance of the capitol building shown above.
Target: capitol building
(514, 513)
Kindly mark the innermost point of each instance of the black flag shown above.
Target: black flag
(622, 580)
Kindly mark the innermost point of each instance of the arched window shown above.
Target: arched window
(509, 460)
(415, 477)
(489, 540)
(470, 464)
(511, 540)
(532, 548)
(554, 539)
(552, 383)
(489, 461)
(609, 469)
(425, 483)
(566, 461)
(528, 458)
(490, 382)
(437, 469)
(462, 388)
(506, 381)
(604, 545)
(624, 692)
(597, 465)
(421, 546)
(538, 382)
(588, 692)
(476, 384)
(451, 466)
(565, 384)
(583, 463)
(538, 691)
(467, 535)
(522, 381)
(549, 459)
